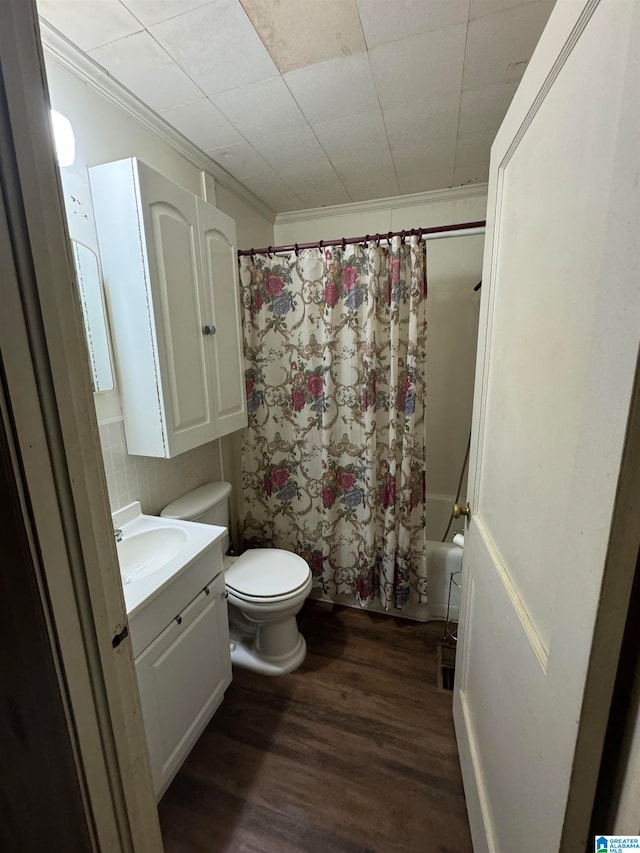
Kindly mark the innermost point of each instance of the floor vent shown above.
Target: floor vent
(446, 665)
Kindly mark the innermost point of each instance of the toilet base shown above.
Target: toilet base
(244, 655)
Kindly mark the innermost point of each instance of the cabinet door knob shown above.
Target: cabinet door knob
(209, 329)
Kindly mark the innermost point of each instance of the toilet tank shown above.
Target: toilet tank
(208, 504)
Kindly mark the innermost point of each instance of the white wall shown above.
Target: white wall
(105, 132)
(454, 267)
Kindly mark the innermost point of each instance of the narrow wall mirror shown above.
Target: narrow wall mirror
(93, 312)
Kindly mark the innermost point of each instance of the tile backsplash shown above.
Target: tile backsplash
(154, 482)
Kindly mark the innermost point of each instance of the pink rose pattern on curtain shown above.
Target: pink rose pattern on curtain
(333, 458)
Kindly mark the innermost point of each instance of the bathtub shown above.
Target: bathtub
(442, 558)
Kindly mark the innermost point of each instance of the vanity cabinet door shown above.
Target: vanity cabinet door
(222, 296)
(180, 310)
(182, 677)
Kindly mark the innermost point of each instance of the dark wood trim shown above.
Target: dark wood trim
(623, 718)
(41, 804)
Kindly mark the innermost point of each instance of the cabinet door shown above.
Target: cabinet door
(170, 219)
(182, 677)
(220, 274)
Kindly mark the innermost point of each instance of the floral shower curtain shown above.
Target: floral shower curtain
(333, 457)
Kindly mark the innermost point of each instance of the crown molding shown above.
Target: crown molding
(395, 202)
(86, 69)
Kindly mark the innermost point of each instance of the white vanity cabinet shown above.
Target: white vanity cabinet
(170, 270)
(182, 677)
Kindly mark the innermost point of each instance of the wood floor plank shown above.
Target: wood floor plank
(353, 753)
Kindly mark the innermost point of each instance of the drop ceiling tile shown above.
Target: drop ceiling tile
(217, 47)
(316, 185)
(422, 180)
(297, 36)
(371, 163)
(474, 148)
(372, 186)
(140, 64)
(309, 177)
(419, 67)
(89, 24)
(261, 109)
(241, 160)
(484, 107)
(150, 12)
(419, 167)
(273, 190)
(327, 194)
(408, 18)
(290, 150)
(477, 174)
(203, 124)
(410, 124)
(334, 89)
(352, 136)
(499, 46)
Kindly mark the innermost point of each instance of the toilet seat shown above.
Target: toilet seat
(268, 575)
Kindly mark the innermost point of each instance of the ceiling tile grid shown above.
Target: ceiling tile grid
(316, 102)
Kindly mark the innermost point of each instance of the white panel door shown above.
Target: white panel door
(173, 251)
(220, 271)
(557, 354)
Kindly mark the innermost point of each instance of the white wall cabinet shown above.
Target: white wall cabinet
(182, 678)
(170, 270)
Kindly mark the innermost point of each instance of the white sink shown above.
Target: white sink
(141, 554)
(155, 553)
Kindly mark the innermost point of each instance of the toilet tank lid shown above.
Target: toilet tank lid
(197, 502)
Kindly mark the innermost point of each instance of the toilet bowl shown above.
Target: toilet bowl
(266, 588)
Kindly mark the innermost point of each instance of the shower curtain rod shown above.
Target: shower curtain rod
(433, 233)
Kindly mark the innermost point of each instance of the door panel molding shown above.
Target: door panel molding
(529, 629)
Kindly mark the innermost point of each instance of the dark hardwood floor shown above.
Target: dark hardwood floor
(354, 752)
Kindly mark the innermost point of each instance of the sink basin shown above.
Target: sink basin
(159, 557)
(142, 554)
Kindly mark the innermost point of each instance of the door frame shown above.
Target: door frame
(57, 453)
(570, 20)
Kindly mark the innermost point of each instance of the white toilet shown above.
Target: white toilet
(266, 589)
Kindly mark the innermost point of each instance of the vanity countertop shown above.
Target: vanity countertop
(154, 552)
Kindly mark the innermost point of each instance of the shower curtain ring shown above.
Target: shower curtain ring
(320, 245)
(378, 238)
(366, 240)
(296, 249)
(403, 238)
(344, 244)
